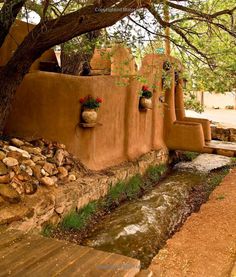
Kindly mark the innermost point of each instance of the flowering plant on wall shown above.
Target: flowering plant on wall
(90, 106)
(145, 101)
(145, 92)
(89, 102)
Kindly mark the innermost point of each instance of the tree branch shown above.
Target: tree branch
(8, 15)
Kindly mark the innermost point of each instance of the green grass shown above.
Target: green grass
(47, 230)
(233, 161)
(215, 178)
(115, 193)
(154, 172)
(134, 186)
(77, 220)
(220, 197)
(190, 155)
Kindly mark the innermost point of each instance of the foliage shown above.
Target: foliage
(191, 103)
(233, 161)
(199, 29)
(89, 102)
(133, 187)
(145, 92)
(77, 220)
(116, 193)
(190, 155)
(153, 173)
(166, 80)
(47, 230)
(215, 71)
(215, 178)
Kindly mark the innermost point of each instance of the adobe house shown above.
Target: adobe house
(47, 105)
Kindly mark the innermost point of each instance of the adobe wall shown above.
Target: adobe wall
(47, 105)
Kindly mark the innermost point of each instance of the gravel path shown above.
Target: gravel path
(206, 244)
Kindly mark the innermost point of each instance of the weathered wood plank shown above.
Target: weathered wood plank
(9, 237)
(117, 265)
(89, 260)
(26, 252)
(55, 261)
(36, 256)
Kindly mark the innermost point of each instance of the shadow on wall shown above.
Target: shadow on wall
(47, 105)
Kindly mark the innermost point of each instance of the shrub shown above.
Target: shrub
(191, 103)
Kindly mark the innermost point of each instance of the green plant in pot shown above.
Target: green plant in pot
(90, 106)
(145, 100)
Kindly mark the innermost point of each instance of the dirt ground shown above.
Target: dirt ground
(206, 244)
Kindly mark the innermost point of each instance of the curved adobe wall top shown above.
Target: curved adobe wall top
(116, 60)
(16, 35)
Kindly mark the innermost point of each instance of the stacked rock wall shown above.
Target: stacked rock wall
(40, 182)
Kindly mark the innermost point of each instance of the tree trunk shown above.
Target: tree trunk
(72, 63)
(11, 76)
(8, 15)
(8, 86)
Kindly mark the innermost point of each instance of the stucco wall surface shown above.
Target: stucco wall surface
(47, 105)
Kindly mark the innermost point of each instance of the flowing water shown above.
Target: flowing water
(140, 228)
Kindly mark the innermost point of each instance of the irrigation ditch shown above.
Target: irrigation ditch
(138, 215)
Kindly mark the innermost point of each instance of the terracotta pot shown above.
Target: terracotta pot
(146, 103)
(89, 116)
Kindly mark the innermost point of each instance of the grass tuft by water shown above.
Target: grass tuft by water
(77, 220)
(47, 230)
(116, 193)
(154, 173)
(134, 186)
(190, 155)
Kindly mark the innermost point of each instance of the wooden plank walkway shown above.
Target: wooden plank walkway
(36, 256)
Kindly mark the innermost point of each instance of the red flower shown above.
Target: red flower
(145, 88)
(99, 100)
(81, 100)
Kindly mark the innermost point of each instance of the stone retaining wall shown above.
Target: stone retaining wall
(224, 134)
(49, 205)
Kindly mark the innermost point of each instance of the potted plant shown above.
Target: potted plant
(90, 106)
(145, 100)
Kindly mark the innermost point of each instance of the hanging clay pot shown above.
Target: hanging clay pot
(89, 116)
(145, 103)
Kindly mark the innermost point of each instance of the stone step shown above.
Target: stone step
(221, 148)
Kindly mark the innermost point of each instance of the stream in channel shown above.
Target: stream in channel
(140, 228)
